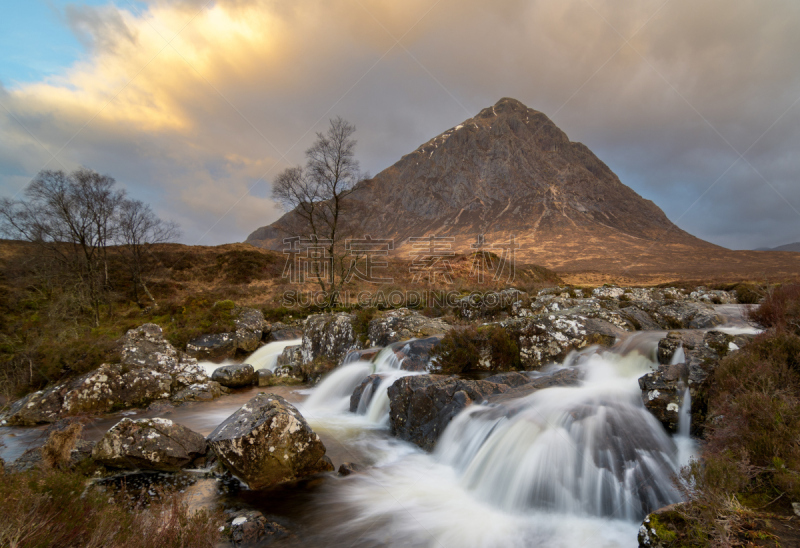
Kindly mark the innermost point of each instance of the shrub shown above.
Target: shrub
(780, 309)
(361, 323)
(457, 351)
(58, 447)
(503, 349)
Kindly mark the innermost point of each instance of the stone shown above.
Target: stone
(252, 528)
(145, 347)
(421, 406)
(403, 324)
(206, 391)
(235, 376)
(110, 386)
(328, 335)
(267, 442)
(264, 377)
(213, 347)
(663, 393)
(349, 468)
(149, 444)
(364, 391)
(250, 324)
(662, 528)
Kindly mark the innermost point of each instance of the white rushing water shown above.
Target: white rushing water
(562, 467)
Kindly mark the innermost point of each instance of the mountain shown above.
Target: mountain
(511, 170)
(788, 247)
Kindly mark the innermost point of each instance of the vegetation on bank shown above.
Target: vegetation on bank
(739, 493)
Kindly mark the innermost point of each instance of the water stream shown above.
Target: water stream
(562, 467)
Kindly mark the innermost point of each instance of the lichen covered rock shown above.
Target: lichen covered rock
(403, 324)
(149, 444)
(235, 376)
(328, 335)
(267, 442)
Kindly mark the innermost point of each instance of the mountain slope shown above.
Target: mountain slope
(510, 170)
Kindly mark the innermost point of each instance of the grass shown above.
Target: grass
(54, 508)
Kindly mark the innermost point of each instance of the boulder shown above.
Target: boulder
(328, 335)
(235, 376)
(146, 347)
(291, 358)
(663, 393)
(252, 528)
(362, 394)
(264, 377)
(284, 333)
(205, 391)
(349, 468)
(561, 377)
(548, 338)
(403, 324)
(267, 442)
(363, 355)
(108, 387)
(663, 390)
(664, 528)
(213, 347)
(421, 406)
(149, 444)
(250, 324)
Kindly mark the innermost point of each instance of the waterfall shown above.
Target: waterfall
(266, 357)
(591, 450)
(562, 467)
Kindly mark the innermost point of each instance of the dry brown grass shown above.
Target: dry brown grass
(58, 447)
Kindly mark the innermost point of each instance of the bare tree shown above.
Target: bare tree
(71, 216)
(137, 228)
(316, 195)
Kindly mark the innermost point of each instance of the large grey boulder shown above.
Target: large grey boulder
(204, 391)
(403, 324)
(145, 347)
(149, 444)
(250, 325)
(328, 335)
(235, 376)
(108, 387)
(267, 442)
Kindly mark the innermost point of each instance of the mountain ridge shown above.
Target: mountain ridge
(508, 170)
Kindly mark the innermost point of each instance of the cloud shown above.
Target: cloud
(195, 107)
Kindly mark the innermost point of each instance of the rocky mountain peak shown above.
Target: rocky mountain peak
(508, 170)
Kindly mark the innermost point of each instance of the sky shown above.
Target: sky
(194, 106)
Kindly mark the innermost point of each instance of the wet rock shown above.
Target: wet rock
(252, 528)
(663, 392)
(235, 376)
(364, 391)
(548, 338)
(403, 324)
(512, 378)
(264, 377)
(250, 326)
(414, 355)
(149, 444)
(561, 377)
(349, 468)
(328, 335)
(421, 406)
(663, 528)
(291, 357)
(267, 442)
(212, 347)
(364, 355)
(638, 318)
(206, 391)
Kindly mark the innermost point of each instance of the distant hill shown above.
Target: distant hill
(788, 247)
